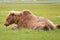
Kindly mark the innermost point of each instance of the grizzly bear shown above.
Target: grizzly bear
(28, 20)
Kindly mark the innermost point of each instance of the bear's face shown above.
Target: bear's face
(10, 19)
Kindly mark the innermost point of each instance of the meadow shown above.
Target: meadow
(50, 11)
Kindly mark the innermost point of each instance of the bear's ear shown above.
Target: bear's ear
(26, 12)
(12, 14)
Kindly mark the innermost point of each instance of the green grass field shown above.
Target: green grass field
(49, 11)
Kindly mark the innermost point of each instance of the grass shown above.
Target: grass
(49, 11)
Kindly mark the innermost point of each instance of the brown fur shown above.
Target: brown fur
(27, 20)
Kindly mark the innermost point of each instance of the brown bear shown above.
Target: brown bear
(28, 20)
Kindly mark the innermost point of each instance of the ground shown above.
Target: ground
(49, 11)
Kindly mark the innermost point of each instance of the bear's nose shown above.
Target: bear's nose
(6, 24)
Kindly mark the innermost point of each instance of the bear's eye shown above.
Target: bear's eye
(9, 17)
(6, 19)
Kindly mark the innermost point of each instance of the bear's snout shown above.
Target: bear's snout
(6, 24)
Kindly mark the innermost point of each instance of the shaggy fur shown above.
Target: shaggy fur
(28, 20)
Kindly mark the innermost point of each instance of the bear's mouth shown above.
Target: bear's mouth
(6, 24)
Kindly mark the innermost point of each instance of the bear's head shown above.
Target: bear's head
(11, 18)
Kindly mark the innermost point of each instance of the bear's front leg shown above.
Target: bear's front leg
(15, 27)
